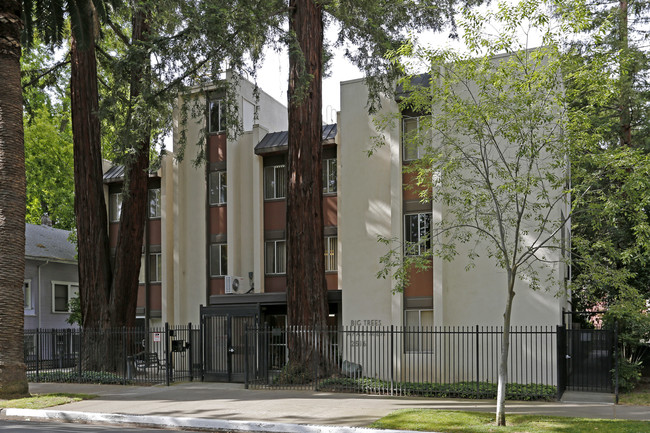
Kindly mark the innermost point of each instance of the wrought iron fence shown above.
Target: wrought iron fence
(438, 362)
(118, 356)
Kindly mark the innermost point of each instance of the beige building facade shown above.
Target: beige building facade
(222, 225)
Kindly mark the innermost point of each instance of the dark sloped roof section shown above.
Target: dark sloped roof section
(116, 174)
(422, 80)
(278, 142)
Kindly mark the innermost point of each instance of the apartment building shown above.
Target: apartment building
(216, 237)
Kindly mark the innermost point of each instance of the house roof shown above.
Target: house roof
(279, 141)
(116, 174)
(48, 243)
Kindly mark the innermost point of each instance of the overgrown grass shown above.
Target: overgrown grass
(98, 377)
(514, 391)
(480, 422)
(44, 400)
(640, 396)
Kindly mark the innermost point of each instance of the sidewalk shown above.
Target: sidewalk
(230, 406)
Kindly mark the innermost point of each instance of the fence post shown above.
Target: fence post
(124, 355)
(246, 356)
(189, 356)
(561, 360)
(478, 366)
(167, 357)
(38, 354)
(81, 339)
(616, 360)
(392, 359)
(203, 346)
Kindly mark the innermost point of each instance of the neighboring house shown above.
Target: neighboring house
(51, 277)
(217, 233)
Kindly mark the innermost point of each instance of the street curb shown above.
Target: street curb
(194, 423)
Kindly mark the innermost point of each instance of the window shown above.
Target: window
(217, 118)
(275, 182)
(115, 206)
(141, 279)
(154, 203)
(419, 336)
(331, 255)
(329, 176)
(276, 257)
(417, 232)
(217, 181)
(218, 260)
(155, 268)
(413, 142)
(27, 295)
(61, 295)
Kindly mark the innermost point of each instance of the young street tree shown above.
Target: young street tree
(495, 156)
(13, 378)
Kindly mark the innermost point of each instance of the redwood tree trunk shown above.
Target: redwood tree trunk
(13, 379)
(306, 288)
(124, 293)
(90, 208)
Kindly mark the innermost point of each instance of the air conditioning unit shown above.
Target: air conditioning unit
(237, 285)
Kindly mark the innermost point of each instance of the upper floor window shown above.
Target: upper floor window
(413, 142)
(218, 187)
(217, 117)
(154, 203)
(275, 182)
(331, 254)
(155, 268)
(417, 233)
(141, 279)
(275, 257)
(115, 206)
(27, 295)
(62, 293)
(218, 260)
(329, 176)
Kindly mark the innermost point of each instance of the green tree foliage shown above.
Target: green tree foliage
(607, 86)
(49, 170)
(494, 153)
(48, 137)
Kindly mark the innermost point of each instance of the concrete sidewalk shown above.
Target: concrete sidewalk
(231, 407)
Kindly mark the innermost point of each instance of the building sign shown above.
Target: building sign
(156, 337)
(366, 322)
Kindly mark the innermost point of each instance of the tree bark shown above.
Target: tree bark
(124, 292)
(505, 350)
(13, 379)
(306, 287)
(90, 208)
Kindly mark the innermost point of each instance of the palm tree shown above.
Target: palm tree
(13, 378)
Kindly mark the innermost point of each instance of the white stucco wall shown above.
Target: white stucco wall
(369, 195)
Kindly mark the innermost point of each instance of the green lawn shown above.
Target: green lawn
(41, 401)
(480, 422)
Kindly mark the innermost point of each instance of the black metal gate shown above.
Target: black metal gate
(589, 360)
(224, 342)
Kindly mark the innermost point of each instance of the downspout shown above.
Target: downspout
(40, 304)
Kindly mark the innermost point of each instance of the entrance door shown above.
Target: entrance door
(225, 345)
(589, 356)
